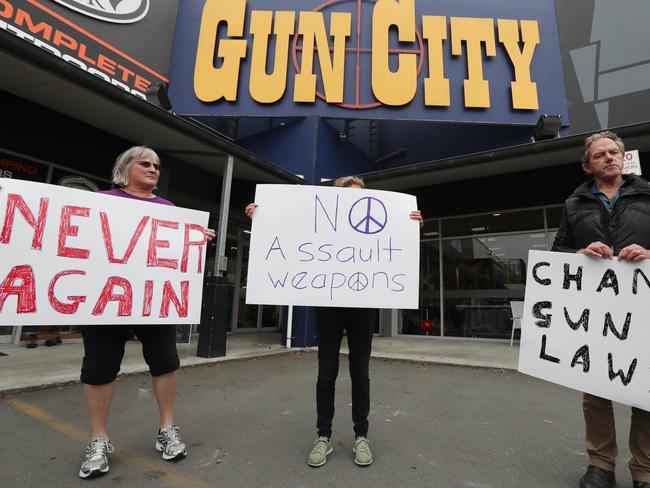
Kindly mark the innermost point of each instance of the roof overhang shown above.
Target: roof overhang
(42, 78)
(514, 159)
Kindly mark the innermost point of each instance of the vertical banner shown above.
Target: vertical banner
(339, 247)
(585, 325)
(73, 257)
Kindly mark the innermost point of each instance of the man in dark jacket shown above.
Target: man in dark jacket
(606, 217)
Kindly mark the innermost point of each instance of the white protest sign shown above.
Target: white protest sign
(632, 162)
(72, 257)
(340, 247)
(585, 325)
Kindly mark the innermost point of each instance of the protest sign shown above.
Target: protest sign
(73, 257)
(585, 325)
(340, 247)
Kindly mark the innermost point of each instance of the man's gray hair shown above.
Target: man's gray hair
(601, 135)
(125, 160)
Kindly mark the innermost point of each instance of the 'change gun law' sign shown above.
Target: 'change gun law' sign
(586, 325)
(72, 257)
(340, 247)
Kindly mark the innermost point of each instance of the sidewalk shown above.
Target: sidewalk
(24, 368)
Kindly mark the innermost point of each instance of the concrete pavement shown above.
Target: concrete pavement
(250, 423)
(47, 366)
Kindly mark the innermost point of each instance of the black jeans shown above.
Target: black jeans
(358, 324)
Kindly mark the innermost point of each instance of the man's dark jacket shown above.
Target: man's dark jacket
(585, 219)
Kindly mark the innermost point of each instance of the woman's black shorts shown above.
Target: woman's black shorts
(104, 350)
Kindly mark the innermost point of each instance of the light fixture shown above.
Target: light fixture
(496, 215)
(548, 127)
(157, 95)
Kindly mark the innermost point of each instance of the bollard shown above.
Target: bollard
(214, 318)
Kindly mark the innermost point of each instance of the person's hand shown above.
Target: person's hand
(633, 252)
(597, 250)
(250, 208)
(416, 215)
(209, 234)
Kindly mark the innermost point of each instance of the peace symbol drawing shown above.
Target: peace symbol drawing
(358, 282)
(368, 215)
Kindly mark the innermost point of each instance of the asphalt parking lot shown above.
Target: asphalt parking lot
(251, 423)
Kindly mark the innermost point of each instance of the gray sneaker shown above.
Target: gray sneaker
(96, 462)
(318, 455)
(362, 452)
(170, 444)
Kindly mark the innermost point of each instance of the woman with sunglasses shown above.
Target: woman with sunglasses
(136, 172)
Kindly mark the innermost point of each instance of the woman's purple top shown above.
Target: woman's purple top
(118, 192)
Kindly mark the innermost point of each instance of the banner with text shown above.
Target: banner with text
(339, 247)
(72, 257)
(585, 325)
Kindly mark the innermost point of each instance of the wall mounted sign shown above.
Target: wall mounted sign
(39, 23)
(118, 11)
(477, 61)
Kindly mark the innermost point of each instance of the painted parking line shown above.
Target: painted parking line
(161, 471)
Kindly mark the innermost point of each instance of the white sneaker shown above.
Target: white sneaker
(318, 455)
(362, 452)
(96, 462)
(170, 444)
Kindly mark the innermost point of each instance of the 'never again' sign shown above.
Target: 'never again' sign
(72, 257)
(341, 247)
(585, 325)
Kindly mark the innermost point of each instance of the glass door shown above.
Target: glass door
(425, 321)
(8, 334)
(248, 318)
(481, 276)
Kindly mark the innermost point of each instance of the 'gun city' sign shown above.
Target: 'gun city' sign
(363, 55)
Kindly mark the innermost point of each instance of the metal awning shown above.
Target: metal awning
(525, 157)
(42, 78)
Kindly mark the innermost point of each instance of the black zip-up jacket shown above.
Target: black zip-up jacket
(585, 219)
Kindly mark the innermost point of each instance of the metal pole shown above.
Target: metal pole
(234, 315)
(289, 324)
(212, 331)
(220, 264)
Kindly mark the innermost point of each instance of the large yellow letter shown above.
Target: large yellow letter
(524, 91)
(312, 29)
(265, 88)
(210, 83)
(398, 87)
(436, 86)
(474, 32)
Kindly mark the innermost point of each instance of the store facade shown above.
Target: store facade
(437, 100)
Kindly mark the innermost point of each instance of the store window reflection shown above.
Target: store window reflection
(426, 320)
(481, 275)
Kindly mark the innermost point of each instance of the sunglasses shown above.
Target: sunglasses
(147, 164)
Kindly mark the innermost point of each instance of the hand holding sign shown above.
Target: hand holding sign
(634, 253)
(597, 250)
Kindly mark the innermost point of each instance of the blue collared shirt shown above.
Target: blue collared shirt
(609, 204)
